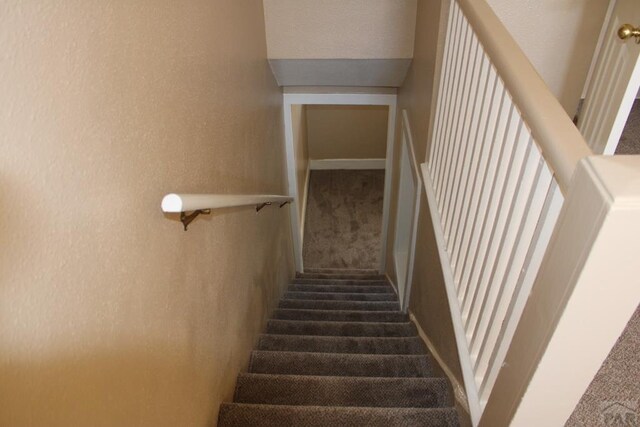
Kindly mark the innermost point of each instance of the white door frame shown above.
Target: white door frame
(337, 99)
(611, 83)
(406, 140)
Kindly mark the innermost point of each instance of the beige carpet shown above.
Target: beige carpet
(616, 383)
(339, 352)
(344, 219)
(630, 138)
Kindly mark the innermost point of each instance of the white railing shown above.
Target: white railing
(502, 154)
(174, 203)
(203, 203)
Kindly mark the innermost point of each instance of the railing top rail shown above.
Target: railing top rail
(175, 203)
(561, 143)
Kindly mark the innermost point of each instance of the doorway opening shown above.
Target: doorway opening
(339, 159)
(609, 114)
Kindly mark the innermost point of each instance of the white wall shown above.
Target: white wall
(354, 29)
(559, 37)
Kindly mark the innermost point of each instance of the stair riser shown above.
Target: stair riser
(340, 316)
(341, 329)
(340, 282)
(331, 276)
(326, 296)
(352, 365)
(351, 345)
(338, 352)
(243, 415)
(342, 391)
(339, 305)
(343, 289)
(339, 271)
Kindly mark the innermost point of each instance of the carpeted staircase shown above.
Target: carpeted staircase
(338, 352)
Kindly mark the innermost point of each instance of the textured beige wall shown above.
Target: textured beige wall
(429, 301)
(110, 314)
(301, 151)
(428, 295)
(340, 28)
(347, 131)
(559, 37)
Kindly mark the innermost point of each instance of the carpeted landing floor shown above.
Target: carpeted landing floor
(344, 219)
(630, 138)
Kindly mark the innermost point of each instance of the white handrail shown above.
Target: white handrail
(175, 203)
(561, 143)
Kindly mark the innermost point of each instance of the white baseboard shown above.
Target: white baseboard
(458, 389)
(324, 164)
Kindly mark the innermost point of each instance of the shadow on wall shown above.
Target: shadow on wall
(429, 302)
(129, 387)
(138, 351)
(582, 52)
(208, 217)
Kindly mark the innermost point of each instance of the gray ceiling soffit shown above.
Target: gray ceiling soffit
(340, 72)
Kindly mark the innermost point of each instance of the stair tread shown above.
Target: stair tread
(343, 282)
(342, 391)
(338, 270)
(344, 329)
(341, 276)
(373, 289)
(338, 351)
(333, 364)
(314, 304)
(247, 414)
(340, 315)
(349, 345)
(343, 296)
